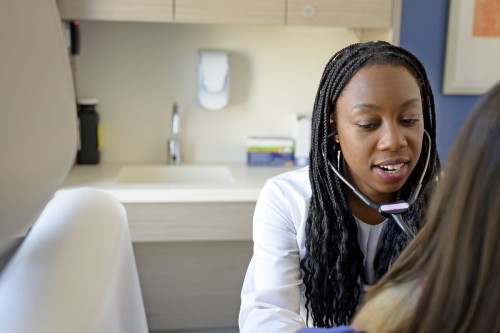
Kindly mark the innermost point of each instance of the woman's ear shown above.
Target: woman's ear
(333, 129)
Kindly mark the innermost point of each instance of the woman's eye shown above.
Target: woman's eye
(367, 126)
(410, 121)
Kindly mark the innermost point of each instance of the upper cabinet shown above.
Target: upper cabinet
(335, 13)
(341, 13)
(117, 10)
(230, 11)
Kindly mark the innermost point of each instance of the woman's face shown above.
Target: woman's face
(380, 128)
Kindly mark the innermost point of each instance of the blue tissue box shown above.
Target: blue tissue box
(270, 151)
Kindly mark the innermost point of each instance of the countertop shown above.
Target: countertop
(245, 187)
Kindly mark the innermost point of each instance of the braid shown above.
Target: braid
(333, 264)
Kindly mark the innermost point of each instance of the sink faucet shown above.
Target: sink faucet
(174, 143)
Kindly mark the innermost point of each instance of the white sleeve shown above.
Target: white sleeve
(270, 298)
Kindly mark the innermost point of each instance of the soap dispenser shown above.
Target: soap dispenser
(213, 79)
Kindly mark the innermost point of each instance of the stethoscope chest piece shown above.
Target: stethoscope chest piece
(394, 208)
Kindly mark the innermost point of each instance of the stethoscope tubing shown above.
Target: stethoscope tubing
(391, 209)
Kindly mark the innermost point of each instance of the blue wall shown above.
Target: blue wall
(423, 32)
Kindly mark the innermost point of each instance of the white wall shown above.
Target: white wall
(138, 70)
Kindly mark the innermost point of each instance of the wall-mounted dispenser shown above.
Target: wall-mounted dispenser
(213, 79)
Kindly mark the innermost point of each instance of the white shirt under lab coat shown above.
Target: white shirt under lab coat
(272, 297)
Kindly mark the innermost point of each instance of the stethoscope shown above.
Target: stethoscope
(394, 209)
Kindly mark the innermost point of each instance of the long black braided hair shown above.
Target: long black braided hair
(333, 264)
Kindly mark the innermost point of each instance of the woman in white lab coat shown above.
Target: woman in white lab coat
(316, 242)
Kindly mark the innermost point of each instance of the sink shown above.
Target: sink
(175, 174)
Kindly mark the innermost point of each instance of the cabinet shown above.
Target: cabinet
(191, 258)
(195, 221)
(117, 10)
(337, 13)
(341, 13)
(230, 11)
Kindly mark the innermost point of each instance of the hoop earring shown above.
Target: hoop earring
(338, 159)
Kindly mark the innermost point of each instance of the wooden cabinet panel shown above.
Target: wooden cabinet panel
(117, 10)
(198, 221)
(230, 11)
(192, 285)
(191, 259)
(341, 13)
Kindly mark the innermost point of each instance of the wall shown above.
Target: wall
(138, 70)
(424, 25)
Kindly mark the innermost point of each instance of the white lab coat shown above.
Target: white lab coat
(272, 297)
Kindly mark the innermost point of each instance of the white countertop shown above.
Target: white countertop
(248, 182)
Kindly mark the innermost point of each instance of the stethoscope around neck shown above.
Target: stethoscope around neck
(393, 209)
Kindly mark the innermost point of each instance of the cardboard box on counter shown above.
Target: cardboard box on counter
(270, 151)
(302, 136)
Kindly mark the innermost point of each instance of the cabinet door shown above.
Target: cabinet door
(190, 221)
(341, 13)
(117, 10)
(230, 11)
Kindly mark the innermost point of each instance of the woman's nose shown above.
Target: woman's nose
(393, 138)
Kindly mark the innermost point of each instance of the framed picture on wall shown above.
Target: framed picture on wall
(472, 63)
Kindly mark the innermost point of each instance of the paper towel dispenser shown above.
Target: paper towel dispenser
(213, 79)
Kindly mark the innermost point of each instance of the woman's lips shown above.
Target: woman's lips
(392, 171)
